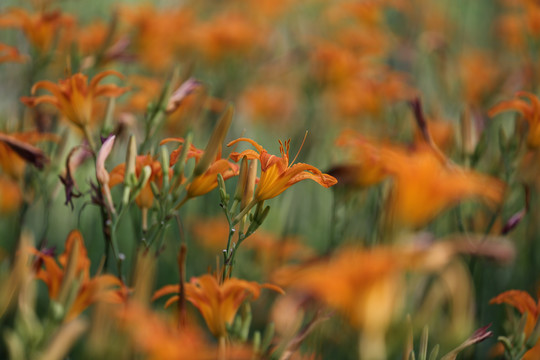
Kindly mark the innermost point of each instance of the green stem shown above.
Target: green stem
(244, 211)
(90, 140)
(228, 255)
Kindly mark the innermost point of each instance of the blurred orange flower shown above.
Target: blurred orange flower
(361, 284)
(145, 90)
(145, 199)
(424, 182)
(270, 103)
(424, 185)
(74, 269)
(218, 303)
(10, 54)
(74, 97)
(207, 181)
(228, 33)
(524, 303)
(276, 173)
(365, 285)
(479, 75)
(11, 196)
(512, 31)
(40, 28)
(378, 86)
(163, 340)
(91, 38)
(152, 29)
(333, 64)
(529, 109)
(532, 16)
(366, 169)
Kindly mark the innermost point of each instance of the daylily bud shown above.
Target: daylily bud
(165, 169)
(513, 221)
(246, 323)
(70, 274)
(143, 277)
(180, 94)
(64, 339)
(242, 177)
(131, 157)
(257, 342)
(108, 124)
(258, 219)
(101, 173)
(468, 133)
(143, 179)
(215, 142)
(249, 187)
(268, 335)
(222, 189)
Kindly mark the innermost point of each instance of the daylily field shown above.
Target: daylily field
(270, 179)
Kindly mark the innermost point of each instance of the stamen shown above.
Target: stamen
(298, 153)
(236, 145)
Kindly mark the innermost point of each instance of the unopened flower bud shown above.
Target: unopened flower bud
(251, 179)
(242, 177)
(101, 173)
(131, 157)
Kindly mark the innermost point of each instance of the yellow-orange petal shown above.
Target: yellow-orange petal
(252, 142)
(521, 300)
(166, 290)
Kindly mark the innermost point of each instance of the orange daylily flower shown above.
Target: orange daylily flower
(365, 285)
(207, 181)
(144, 90)
(424, 182)
(218, 303)
(272, 104)
(367, 169)
(145, 199)
(424, 185)
(511, 30)
(529, 109)
(53, 274)
(479, 75)
(40, 28)
(17, 149)
(162, 340)
(524, 303)
(90, 38)
(276, 173)
(441, 131)
(379, 88)
(11, 196)
(354, 281)
(333, 64)
(227, 33)
(74, 97)
(10, 54)
(152, 28)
